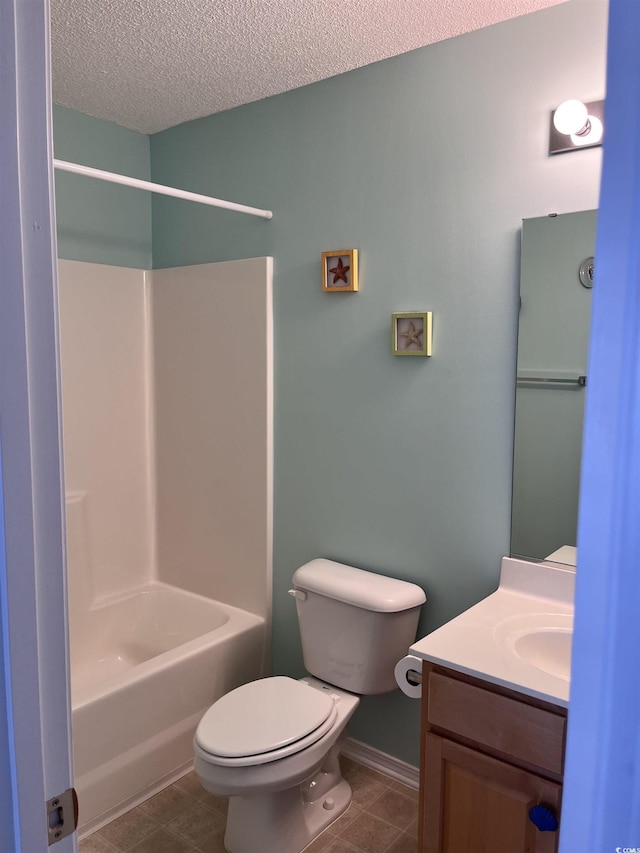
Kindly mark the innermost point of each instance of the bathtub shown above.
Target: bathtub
(144, 668)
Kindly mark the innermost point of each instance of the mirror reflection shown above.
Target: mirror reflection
(553, 337)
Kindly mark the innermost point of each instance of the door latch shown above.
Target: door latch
(62, 815)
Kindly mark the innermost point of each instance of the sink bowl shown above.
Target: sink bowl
(548, 649)
(541, 640)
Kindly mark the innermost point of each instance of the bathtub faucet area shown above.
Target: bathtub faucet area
(145, 666)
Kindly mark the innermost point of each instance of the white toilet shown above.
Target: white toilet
(272, 745)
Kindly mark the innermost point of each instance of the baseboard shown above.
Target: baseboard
(375, 759)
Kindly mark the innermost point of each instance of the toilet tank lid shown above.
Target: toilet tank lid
(367, 590)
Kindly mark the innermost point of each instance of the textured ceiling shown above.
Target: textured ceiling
(151, 64)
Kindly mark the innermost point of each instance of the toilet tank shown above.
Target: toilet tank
(354, 625)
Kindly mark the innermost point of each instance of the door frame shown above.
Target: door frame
(32, 564)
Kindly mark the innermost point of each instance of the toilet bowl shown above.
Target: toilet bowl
(272, 745)
(282, 795)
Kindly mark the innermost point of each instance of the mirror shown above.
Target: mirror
(553, 338)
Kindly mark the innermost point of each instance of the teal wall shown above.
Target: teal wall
(427, 164)
(96, 221)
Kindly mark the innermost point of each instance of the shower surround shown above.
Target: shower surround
(167, 423)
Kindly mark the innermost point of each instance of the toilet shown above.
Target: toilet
(272, 745)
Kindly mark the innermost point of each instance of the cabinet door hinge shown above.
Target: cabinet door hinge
(62, 815)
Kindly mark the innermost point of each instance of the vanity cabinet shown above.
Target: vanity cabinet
(488, 755)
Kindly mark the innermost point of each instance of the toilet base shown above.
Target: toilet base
(288, 821)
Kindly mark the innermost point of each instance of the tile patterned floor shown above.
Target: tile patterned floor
(184, 818)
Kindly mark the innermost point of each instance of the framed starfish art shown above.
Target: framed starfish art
(411, 333)
(340, 271)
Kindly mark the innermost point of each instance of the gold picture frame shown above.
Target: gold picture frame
(340, 271)
(411, 333)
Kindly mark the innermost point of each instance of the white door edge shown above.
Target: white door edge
(36, 661)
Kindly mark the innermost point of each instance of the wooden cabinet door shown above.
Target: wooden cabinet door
(477, 804)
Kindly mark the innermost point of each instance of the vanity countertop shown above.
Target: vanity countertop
(518, 637)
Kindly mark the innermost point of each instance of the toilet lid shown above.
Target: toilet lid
(262, 716)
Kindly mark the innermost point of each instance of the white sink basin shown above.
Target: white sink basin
(548, 650)
(519, 637)
(542, 640)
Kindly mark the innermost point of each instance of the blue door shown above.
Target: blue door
(601, 807)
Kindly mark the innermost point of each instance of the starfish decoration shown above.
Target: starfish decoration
(340, 272)
(412, 336)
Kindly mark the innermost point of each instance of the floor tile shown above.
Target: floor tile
(338, 845)
(212, 844)
(345, 819)
(394, 808)
(365, 788)
(196, 824)
(162, 841)
(320, 844)
(347, 764)
(96, 844)
(166, 805)
(218, 804)
(412, 829)
(374, 775)
(412, 793)
(370, 834)
(190, 784)
(404, 844)
(127, 831)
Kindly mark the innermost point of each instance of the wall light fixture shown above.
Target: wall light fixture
(575, 124)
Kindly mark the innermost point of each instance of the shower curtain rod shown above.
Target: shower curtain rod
(113, 178)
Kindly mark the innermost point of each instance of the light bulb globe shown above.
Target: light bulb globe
(593, 136)
(570, 117)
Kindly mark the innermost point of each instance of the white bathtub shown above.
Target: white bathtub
(144, 668)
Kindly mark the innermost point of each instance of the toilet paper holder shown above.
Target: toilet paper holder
(413, 676)
(408, 674)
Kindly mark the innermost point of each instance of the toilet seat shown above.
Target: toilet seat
(263, 721)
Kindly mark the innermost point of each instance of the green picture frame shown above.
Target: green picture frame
(412, 333)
